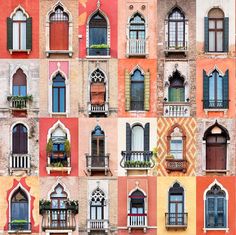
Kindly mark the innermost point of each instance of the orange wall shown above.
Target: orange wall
(222, 65)
(130, 64)
(228, 183)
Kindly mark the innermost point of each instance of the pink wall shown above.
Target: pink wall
(55, 65)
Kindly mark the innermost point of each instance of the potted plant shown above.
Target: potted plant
(44, 205)
(72, 205)
(99, 46)
(67, 147)
(169, 156)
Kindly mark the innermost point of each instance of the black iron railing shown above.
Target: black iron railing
(19, 226)
(216, 104)
(98, 51)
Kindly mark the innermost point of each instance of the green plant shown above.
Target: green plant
(57, 164)
(154, 152)
(170, 156)
(67, 147)
(19, 221)
(27, 97)
(49, 147)
(99, 46)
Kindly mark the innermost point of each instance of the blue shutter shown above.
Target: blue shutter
(205, 90)
(226, 34)
(226, 90)
(206, 34)
(210, 212)
(220, 212)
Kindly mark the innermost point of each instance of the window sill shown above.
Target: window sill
(58, 169)
(58, 114)
(216, 110)
(19, 51)
(98, 56)
(18, 232)
(215, 229)
(138, 111)
(59, 52)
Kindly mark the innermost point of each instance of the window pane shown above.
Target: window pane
(15, 90)
(62, 100)
(23, 90)
(219, 41)
(212, 88)
(97, 36)
(211, 41)
(176, 148)
(211, 24)
(55, 100)
(16, 36)
(23, 36)
(219, 87)
(219, 24)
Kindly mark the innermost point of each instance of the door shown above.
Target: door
(176, 210)
(19, 140)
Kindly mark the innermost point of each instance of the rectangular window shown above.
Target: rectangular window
(176, 148)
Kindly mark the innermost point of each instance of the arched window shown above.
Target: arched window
(216, 147)
(215, 208)
(58, 94)
(176, 29)
(137, 138)
(137, 90)
(19, 87)
(19, 139)
(59, 29)
(176, 88)
(97, 204)
(98, 142)
(176, 205)
(19, 211)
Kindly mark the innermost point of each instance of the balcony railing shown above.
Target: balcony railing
(137, 105)
(58, 161)
(97, 163)
(19, 227)
(98, 109)
(140, 160)
(98, 51)
(58, 219)
(19, 162)
(176, 220)
(96, 225)
(216, 104)
(176, 46)
(176, 165)
(137, 221)
(136, 47)
(176, 109)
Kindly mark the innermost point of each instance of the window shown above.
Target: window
(176, 205)
(176, 29)
(19, 211)
(215, 208)
(97, 205)
(137, 90)
(216, 31)
(19, 84)
(20, 139)
(216, 138)
(59, 94)
(98, 142)
(19, 31)
(137, 138)
(59, 29)
(215, 90)
(176, 88)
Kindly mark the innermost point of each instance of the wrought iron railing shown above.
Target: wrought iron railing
(176, 220)
(98, 51)
(216, 104)
(97, 163)
(19, 226)
(176, 165)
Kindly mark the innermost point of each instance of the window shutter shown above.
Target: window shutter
(206, 34)
(29, 33)
(226, 90)
(226, 34)
(221, 211)
(147, 91)
(210, 212)
(146, 136)
(205, 90)
(127, 91)
(128, 137)
(9, 34)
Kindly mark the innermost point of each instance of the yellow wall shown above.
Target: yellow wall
(189, 185)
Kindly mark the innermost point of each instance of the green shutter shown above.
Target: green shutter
(127, 91)
(146, 136)
(226, 90)
(9, 34)
(226, 34)
(29, 34)
(176, 94)
(147, 91)
(205, 90)
(206, 34)
(128, 137)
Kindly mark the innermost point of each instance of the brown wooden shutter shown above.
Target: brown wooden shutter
(127, 90)
(97, 93)
(147, 91)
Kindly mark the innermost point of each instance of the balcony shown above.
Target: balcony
(97, 225)
(58, 162)
(216, 104)
(176, 47)
(176, 109)
(98, 109)
(137, 221)
(176, 165)
(137, 160)
(19, 162)
(98, 52)
(19, 226)
(19, 102)
(136, 47)
(97, 163)
(58, 219)
(176, 220)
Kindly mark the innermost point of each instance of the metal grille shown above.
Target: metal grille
(59, 15)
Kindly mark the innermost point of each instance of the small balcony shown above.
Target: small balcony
(136, 47)
(137, 160)
(176, 109)
(58, 162)
(98, 51)
(137, 221)
(98, 109)
(216, 104)
(176, 220)
(97, 163)
(98, 225)
(19, 102)
(19, 162)
(176, 165)
(58, 219)
(19, 226)
(176, 47)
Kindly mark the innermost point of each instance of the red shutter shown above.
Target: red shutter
(97, 93)
(59, 35)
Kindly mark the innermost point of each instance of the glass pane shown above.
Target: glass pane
(55, 100)
(172, 33)
(211, 41)
(176, 148)
(180, 36)
(133, 35)
(19, 16)
(176, 94)
(172, 208)
(62, 100)
(212, 88)
(93, 213)
(219, 41)
(97, 36)
(99, 212)
(219, 87)
(23, 90)
(16, 35)
(211, 24)
(219, 24)
(23, 36)
(15, 91)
